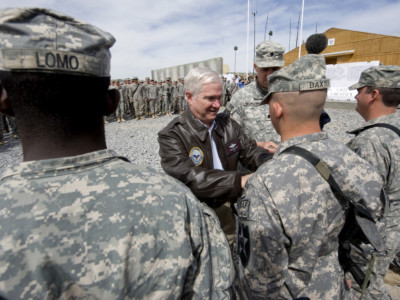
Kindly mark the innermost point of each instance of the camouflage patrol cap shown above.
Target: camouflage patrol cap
(168, 78)
(135, 78)
(269, 54)
(43, 40)
(382, 76)
(305, 74)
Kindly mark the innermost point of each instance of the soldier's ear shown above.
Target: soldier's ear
(5, 105)
(374, 95)
(112, 101)
(277, 109)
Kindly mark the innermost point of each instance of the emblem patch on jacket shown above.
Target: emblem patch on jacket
(196, 155)
(233, 147)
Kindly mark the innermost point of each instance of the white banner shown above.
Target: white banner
(344, 75)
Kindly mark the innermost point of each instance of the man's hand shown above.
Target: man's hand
(270, 146)
(245, 178)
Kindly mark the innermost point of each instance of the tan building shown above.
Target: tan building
(347, 46)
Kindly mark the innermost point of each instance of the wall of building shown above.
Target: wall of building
(367, 47)
(176, 72)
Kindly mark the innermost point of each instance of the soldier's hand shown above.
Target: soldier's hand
(270, 146)
(245, 178)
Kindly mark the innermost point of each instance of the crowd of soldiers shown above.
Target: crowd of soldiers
(149, 98)
(141, 99)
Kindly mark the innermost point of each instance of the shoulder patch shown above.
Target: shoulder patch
(197, 156)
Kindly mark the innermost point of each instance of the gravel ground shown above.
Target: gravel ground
(137, 140)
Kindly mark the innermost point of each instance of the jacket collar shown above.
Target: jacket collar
(201, 130)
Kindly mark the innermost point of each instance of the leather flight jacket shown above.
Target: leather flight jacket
(185, 151)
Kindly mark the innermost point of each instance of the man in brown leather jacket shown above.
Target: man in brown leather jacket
(202, 148)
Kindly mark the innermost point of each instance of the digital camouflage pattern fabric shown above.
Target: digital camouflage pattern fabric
(290, 221)
(382, 76)
(95, 226)
(381, 148)
(305, 74)
(269, 54)
(42, 40)
(254, 119)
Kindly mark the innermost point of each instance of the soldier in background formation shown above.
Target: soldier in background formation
(75, 215)
(119, 113)
(378, 142)
(181, 94)
(152, 96)
(166, 92)
(175, 97)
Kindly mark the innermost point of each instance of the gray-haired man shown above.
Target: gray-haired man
(202, 148)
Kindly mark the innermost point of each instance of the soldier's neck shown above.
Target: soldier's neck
(50, 148)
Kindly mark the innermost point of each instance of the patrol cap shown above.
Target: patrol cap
(306, 74)
(168, 78)
(135, 78)
(382, 76)
(269, 54)
(43, 40)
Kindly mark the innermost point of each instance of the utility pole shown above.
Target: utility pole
(235, 49)
(254, 14)
(301, 26)
(265, 31)
(290, 33)
(298, 26)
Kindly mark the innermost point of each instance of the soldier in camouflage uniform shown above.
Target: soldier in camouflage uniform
(132, 90)
(175, 97)
(126, 93)
(245, 105)
(377, 98)
(161, 107)
(232, 87)
(121, 105)
(152, 95)
(166, 91)
(145, 97)
(181, 95)
(138, 101)
(78, 221)
(289, 217)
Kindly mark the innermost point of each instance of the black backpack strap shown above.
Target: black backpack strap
(363, 216)
(384, 125)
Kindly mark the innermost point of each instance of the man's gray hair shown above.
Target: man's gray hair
(199, 76)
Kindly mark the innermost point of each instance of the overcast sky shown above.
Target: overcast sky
(156, 34)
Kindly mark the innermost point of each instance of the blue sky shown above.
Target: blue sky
(157, 34)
